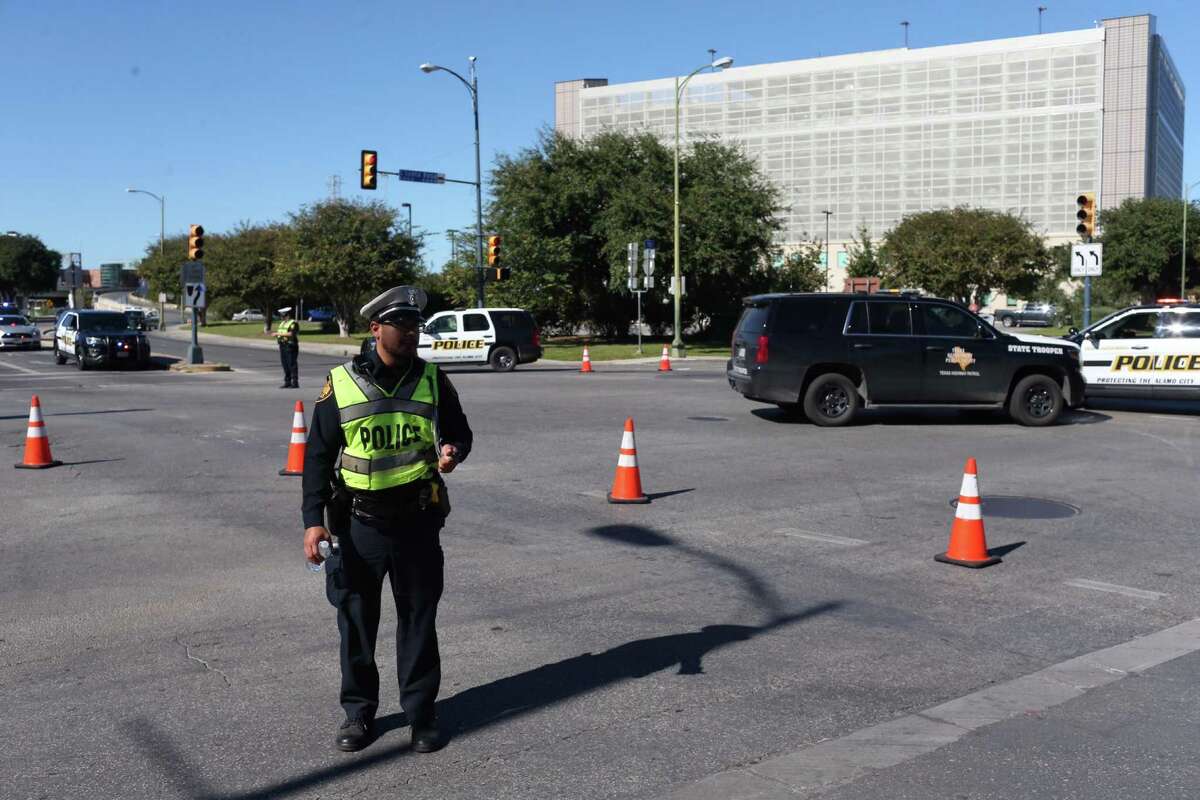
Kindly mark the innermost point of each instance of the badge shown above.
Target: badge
(326, 390)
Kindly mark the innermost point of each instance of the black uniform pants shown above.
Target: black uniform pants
(289, 357)
(410, 555)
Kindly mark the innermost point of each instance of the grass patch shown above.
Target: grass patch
(309, 332)
(570, 348)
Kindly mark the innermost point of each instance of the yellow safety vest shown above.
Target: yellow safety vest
(390, 439)
(285, 330)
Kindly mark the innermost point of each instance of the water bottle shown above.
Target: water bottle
(326, 550)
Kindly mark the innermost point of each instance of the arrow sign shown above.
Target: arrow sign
(1087, 260)
(195, 295)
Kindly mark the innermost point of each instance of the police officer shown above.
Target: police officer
(397, 423)
(288, 336)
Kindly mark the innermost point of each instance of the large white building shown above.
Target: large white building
(1022, 125)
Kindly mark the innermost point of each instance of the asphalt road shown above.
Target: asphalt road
(160, 636)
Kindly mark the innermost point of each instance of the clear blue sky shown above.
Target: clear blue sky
(243, 110)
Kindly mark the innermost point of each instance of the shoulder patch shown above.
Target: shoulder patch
(326, 390)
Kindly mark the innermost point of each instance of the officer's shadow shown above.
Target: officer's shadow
(503, 699)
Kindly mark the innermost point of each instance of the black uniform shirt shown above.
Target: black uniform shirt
(326, 438)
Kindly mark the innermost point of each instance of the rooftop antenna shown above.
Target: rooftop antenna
(1041, 10)
(904, 24)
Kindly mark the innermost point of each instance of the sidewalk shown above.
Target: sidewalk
(351, 349)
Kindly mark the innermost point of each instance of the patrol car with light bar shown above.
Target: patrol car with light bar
(832, 355)
(1148, 351)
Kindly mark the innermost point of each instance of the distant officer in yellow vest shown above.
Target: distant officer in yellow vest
(288, 336)
(396, 424)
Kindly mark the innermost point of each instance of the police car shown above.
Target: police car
(833, 354)
(99, 338)
(1149, 351)
(501, 337)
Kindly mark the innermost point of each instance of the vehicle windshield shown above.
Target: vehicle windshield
(12, 319)
(103, 321)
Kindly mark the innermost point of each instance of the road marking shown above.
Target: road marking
(844, 541)
(818, 768)
(19, 368)
(1128, 591)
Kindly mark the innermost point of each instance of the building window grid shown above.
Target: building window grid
(851, 168)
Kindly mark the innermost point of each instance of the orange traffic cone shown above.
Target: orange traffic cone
(586, 366)
(664, 364)
(37, 445)
(295, 461)
(968, 545)
(627, 483)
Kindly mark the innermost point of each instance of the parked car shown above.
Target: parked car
(833, 354)
(248, 315)
(1039, 314)
(502, 337)
(18, 333)
(99, 339)
(136, 319)
(322, 314)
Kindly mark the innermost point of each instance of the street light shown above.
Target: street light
(473, 88)
(1187, 194)
(162, 214)
(827, 214)
(677, 348)
(409, 207)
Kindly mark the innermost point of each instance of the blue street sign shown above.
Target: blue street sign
(421, 177)
(650, 244)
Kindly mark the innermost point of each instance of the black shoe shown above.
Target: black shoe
(286, 386)
(295, 385)
(353, 734)
(427, 738)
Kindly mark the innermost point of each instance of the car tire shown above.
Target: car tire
(831, 400)
(1008, 321)
(503, 359)
(1036, 401)
(59, 358)
(80, 362)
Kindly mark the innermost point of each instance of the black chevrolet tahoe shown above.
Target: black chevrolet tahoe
(834, 354)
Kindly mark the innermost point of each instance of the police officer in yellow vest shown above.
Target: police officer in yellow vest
(288, 336)
(396, 423)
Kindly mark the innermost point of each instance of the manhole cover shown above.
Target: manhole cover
(1012, 507)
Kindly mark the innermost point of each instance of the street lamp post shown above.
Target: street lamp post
(827, 214)
(409, 207)
(677, 348)
(1187, 194)
(473, 88)
(162, 225)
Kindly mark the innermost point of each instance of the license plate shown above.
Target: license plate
(741, 370)
(741, 352)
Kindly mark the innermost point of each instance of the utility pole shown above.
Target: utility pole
(827, 214)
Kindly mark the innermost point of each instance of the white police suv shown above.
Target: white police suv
(501, 337)
(1149, 351)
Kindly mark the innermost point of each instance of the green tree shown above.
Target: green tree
(348, 251)
(1142, 241)
(250, 264)
(800, 270)
(864, 256)
(567, 210)
(961, 253)
(162, 272)
(27, 265)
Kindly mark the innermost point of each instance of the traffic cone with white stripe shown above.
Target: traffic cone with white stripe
(664, 364)
(627, 483)
(37, 444)
(586, 366)
(968, 544)
(295, 459)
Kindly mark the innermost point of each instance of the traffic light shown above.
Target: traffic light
(494, 252)
(370, 160)
(196, 243)
(501, 273)
(1086, 214)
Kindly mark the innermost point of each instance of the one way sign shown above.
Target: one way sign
(1086, 260)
